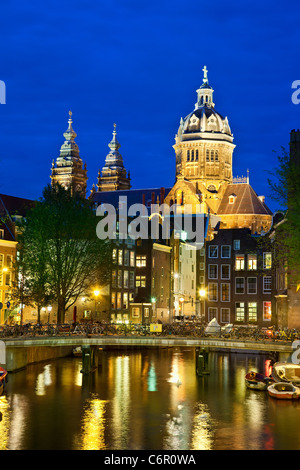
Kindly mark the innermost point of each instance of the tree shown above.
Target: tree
(285, 187)
(62, 257)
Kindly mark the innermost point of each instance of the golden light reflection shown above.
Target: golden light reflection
(19, 411)
(93, 425)
(202, 432)
(4, 423)
(43, 380)
(121, 402)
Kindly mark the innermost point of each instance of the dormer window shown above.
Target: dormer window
(232, 198)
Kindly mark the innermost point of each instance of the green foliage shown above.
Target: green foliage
(285, 187)
(61, 257)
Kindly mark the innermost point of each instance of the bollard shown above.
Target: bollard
(200, 365)
(201, 362)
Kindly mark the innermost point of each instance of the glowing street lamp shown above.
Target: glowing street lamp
(49, 308)
(202, 294)
(96, 294)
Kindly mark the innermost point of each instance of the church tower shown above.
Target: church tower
(114, 175)
(68, 170)
(204, 147)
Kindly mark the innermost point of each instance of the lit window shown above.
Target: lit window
(212, 291)
(225, 292)
(125, 300)
(119, 302)
(267, 260)
(113, 300)
(240, 311)
(239, 262)
(267, 311)
(146, 312)
(120, 257)
(140, 261)
(136, 312)
(252, 263)
(140, 281)
(252, 311)
(132, 259)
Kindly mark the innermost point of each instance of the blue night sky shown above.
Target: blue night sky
(138, 64)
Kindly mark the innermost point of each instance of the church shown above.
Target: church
(204, 151)
(204, 154)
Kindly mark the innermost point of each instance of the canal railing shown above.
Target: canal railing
(22, 351)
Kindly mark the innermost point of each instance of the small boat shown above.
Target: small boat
(77, 352)
(286, 372)
(257, 381)
(3, 379)
(284, 391)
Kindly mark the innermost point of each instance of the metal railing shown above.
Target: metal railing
(182, 329)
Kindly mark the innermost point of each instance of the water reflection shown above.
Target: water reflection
(149, 399)
(93, 425)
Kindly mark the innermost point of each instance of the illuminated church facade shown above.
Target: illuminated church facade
(204, 148)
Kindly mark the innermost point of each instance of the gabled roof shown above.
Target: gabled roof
(13, 205)
(134, 196)
(245, 202)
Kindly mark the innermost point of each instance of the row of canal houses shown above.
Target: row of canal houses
(230, 277)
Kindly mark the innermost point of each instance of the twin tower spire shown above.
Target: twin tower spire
(69, 171)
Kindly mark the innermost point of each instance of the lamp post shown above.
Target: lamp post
(96, 294)
(202, 294)
(153, 302)
(181, 300)
(49, 308)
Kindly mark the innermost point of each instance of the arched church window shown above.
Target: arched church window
(197, 154)
(192, 159)
(207, 155)
(211, 155)
(188, 156)
(216, 155)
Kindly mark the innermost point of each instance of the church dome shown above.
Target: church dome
(204, 121)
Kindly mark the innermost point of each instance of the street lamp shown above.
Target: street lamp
(96, 294)
(202, 294)
(49, 308)
(181, 300)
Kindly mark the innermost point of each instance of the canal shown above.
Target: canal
(149, 399)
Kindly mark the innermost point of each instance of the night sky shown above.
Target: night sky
(138, 64)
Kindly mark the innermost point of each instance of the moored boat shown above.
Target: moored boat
(286, 372)
(257, 381)
(77, 352)
(3, 379)
(284, 391)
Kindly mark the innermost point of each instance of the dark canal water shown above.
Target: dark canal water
(145, 400)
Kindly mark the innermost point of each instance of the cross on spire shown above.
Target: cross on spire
(205, 79)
